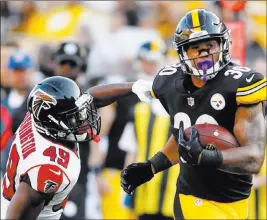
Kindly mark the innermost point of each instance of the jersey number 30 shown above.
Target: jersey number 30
(181, 116)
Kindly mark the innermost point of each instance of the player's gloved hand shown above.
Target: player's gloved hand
(190, 150)
(143, 90)
(193, 152)
(135, 175)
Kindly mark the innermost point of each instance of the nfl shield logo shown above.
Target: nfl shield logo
(191, 101)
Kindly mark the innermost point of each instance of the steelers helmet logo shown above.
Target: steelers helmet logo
(217, 101)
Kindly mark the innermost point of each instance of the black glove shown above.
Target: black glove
(190, 150)
(193, 152)
(135, 175)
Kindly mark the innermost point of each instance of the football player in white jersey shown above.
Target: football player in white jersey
(44, 162)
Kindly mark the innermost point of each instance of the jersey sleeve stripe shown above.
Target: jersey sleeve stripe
(153, 94)
(41, 165)
(252, 98)
(252, 86)
(259, 87)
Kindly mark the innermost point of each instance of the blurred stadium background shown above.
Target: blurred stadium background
(110, 36)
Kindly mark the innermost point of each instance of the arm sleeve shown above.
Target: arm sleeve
(158, 91)
(155, 87)
(251, 89)
(46, 178)
(18, 116)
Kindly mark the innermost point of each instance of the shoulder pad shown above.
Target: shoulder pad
(47, 178)
(251, 88)
(165, 75)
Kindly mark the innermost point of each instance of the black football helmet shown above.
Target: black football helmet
(62, 111)
(198, 25)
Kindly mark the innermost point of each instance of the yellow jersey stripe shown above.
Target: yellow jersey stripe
(251, 86)
(195, 20)
(153, 94)
(261, 86)
(252, 98)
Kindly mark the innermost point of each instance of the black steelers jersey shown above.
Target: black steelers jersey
(214, 103)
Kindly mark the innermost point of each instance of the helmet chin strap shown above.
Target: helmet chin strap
(95, 137)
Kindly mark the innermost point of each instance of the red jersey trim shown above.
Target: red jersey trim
(45, 164)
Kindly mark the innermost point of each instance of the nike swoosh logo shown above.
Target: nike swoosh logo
(182, 159)
(57, 173)
(250, 79)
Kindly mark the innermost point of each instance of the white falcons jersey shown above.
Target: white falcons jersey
(46, 166)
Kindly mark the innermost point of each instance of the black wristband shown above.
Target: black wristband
(211, 158)
(160, 162)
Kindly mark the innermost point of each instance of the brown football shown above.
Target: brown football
(214, 136)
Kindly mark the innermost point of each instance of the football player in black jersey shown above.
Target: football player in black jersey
(207, 87)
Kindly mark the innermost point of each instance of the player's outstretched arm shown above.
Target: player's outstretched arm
(26, 203)
(107, 94)
(249, 129)
(137, 174)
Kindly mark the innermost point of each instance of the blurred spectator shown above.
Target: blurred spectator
(151, 126)
(28, 10)
(45, 60)
(256, 34)
(58, 20)
(130, 10)
(4, 20)
(165, 22)
(118, 141)
(69, 59)
(121, 143)
(19, 65)
(150, 59)
(6, 50)
(118, 131)
(106, 53)
(4, 9)
(113, 53)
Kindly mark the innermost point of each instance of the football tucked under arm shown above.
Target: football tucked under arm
(249, 129)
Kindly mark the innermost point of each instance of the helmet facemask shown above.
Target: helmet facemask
(206, 69)
(79, 124)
